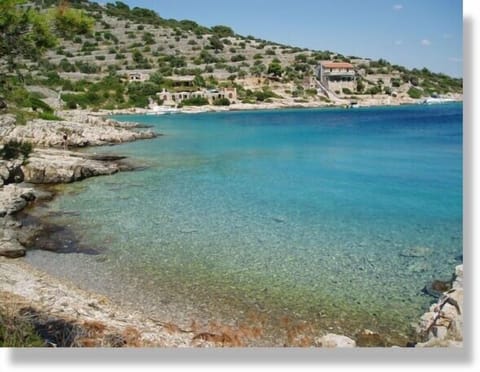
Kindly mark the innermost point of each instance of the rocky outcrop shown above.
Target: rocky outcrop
(13, 198)
(81, 129)
(49, 166)
(442, 325)
(10, 171)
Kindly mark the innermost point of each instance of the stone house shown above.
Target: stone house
(336, 75)
(174, 98)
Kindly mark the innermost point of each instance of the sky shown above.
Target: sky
(412, 33)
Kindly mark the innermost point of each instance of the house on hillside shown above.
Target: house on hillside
(174, 98)
(336, 75)
(137, 76)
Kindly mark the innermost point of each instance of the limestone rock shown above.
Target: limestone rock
(14, 198)
(10, 171)
(82, 129)
(443, 324)
(11, 249)
(332, 341)
(57, 166)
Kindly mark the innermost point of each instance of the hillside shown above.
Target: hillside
(94, 69)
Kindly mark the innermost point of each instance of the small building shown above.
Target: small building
(174, 98)
(137, 76)
(336, 75)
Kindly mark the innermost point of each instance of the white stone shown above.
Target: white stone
(332, 341)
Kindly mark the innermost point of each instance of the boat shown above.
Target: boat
(162, 110)
(437, 100)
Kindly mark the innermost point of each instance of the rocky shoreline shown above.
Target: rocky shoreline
(97, 321)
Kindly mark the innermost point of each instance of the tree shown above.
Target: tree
(275, 68)
(23, 33)
(71, 22)
(216, 43)
(222, 31)
(360, 86)
(27, 33)
(199, 81)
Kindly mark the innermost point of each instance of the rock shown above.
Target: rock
(443, 324)
(50, 166)
(4, 171)
(82, 129)
(14, 198)
(11, 249)
(437, 288)
(458, 281)
(332, 340)
(368, 338)
(10, 171)
(416, 252)
(418, 267)
(3, 104)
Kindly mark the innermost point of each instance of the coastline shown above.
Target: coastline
(385, 101)
(66, 171)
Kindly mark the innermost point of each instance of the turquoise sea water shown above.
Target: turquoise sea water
(330, 216)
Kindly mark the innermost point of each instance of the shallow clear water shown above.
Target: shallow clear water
(309, 214)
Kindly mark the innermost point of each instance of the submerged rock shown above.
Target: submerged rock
(368, 338)
(416, 252)
(332, 341)
(437, 287)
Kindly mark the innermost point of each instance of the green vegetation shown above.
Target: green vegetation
(17, 330)
(70, 22)
(415, 93)
(275, 68)
(168, 49)
(49, 116)
(14, 149)
(194, 101)
(23, 33)
(222, 102)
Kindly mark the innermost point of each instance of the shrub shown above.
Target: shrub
(17, 330)
(396, 82)
(346, 91)
(222, 31)
(49, 116)
(238, 58)
(37, 103)
(195, 101)
(13, 149)
(374, 90)
(414, 93)
(222, 102)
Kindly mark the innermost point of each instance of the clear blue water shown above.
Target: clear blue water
(309, 214)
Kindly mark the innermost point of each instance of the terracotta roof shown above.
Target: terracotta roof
(337, 65)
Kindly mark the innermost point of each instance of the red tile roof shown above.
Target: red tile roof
(337, 65)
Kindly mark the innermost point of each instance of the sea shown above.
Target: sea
(296, 220)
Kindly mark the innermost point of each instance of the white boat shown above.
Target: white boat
(436, 100)
(162, 110)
